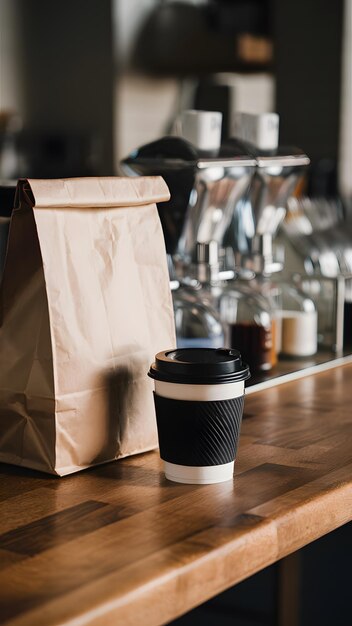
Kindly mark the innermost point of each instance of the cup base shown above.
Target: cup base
(206, 475)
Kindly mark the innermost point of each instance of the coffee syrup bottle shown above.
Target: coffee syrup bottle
(248, 318)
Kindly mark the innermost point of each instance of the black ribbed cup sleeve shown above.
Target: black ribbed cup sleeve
(198, 433)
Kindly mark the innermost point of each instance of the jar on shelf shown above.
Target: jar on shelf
(270, 289)
(196, 301)
(197, 321)
(299, 323)
(249, 324)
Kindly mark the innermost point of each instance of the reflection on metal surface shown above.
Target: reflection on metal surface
(204, 190)
(287, 371)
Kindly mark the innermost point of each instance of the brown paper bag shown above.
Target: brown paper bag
(84, 306)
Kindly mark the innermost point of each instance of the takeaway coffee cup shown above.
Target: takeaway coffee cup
(199, 395)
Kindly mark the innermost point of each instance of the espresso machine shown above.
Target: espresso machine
(233, 197)
(205, 186)
(279, 175)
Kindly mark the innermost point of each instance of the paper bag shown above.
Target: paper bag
(84, 306)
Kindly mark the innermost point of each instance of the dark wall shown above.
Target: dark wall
(67, 69)
(308, 46)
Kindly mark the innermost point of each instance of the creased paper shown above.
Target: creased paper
(84, 306)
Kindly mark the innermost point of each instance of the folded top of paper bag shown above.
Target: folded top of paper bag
(111, 191)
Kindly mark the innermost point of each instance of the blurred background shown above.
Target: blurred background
(82, 83)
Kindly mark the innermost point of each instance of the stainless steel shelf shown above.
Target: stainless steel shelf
(292, 369)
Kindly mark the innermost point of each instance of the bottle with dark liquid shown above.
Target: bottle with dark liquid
(256, 344)
(250, 325)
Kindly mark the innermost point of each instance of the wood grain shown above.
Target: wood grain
(119, 544)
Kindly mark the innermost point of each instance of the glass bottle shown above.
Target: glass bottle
(299, 323)
(197, 321)
(249, 323)
(197, 318)
(271, 291)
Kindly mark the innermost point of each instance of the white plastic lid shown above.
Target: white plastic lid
(201, 128)
(261, 130)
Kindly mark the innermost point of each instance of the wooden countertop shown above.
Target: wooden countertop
(120, 545)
